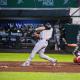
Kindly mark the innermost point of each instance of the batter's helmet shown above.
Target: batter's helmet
(48, 25)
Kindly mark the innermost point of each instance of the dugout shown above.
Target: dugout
(71, 32)
(17, 19)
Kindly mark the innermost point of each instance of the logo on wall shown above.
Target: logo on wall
(3, 2)
(47, 2)
(20, 1)
(66, 1)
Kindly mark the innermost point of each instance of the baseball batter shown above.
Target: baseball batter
(45, 34)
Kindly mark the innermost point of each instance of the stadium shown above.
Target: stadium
(20, 19)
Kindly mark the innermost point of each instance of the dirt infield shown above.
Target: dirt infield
(12, 66)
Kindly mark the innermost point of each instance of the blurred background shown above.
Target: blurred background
(19, 18)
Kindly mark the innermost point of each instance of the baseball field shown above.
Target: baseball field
(40, 69)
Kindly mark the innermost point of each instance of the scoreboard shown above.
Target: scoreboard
(38, 3)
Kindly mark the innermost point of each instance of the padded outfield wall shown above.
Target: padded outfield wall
(71, 31)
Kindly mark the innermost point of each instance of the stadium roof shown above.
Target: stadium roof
(34, 12)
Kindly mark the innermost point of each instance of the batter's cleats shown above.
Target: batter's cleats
(54, 62)
(27, 63)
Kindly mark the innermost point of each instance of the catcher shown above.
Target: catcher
(76, 51)
(44, 34)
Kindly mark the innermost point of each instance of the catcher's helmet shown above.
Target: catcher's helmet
(76, 60)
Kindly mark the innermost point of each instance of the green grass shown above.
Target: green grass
(38, 76)
(24, 56)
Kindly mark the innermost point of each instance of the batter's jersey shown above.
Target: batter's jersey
(46, 34)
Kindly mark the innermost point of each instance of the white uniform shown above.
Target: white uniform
(57, 37)
(40, 46)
